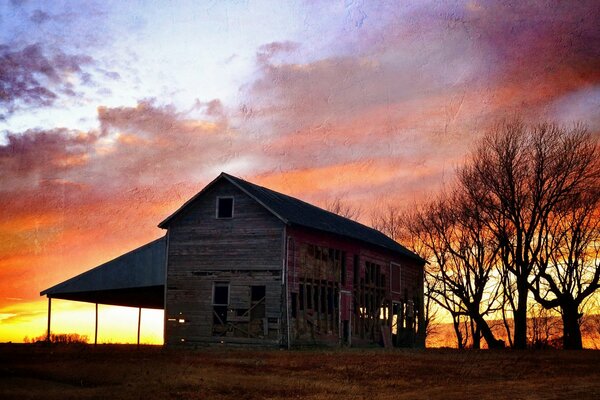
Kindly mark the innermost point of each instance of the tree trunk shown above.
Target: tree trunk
(459, 337)
(483, 329)
(520, 317)
(571, 328)
(475, 333)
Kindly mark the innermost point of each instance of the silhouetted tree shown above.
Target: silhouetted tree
(389, 220)
(544, 327)
(342, 208)
(62, 338)
(520, 176)
(568, 271)
(463, 256)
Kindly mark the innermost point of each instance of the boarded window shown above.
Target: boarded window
(224, 207)
(395, 278)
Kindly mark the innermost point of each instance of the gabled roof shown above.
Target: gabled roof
(134, 279)
(292, 211)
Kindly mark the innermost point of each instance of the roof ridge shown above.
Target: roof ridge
(307, 203)
(294, 211)
(339, 218)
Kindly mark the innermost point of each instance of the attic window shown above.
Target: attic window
(224, 207)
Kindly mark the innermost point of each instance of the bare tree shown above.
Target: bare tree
(343, 209)
(520, 175)
(389, 220)
(568, 271)
(462, 258)
(430, 309)
(544, 327)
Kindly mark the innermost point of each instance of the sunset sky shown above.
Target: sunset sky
(112, 114)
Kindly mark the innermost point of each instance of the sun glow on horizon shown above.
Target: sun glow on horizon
(115, 324)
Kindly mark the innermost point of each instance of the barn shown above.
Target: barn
(243, 264)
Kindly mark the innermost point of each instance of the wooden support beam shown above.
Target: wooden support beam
(139, 326)
(49, 318)
(96, 327)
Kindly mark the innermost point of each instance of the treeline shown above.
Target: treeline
(63, 338)
(519, 225)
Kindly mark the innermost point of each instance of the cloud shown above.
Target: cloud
(36, 77)
(39, 17)
(63, 190)
(421, 84)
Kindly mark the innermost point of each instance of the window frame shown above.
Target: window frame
(221, 284)
(392, 264)
(217, 206)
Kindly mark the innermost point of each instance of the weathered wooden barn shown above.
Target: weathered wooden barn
(244, 264)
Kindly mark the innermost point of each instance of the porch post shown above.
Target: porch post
(49, 318)
(96, 327)
(139, 325)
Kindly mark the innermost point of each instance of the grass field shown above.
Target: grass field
(111, 371)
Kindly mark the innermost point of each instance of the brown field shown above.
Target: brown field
(112, 371)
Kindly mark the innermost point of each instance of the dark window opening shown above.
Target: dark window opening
(257, 293)
(294, 304)
(343, 269)
(309, 297)
(220, 315)
(330, 301)
(301, 294)
(224, 207)
(395, 278)
(221, 294)
(323, 298)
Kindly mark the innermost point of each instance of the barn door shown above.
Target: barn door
(345, 317)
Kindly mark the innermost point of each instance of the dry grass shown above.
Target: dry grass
(83, 372)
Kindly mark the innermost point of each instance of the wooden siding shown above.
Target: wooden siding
(308, 270)
(243, 251)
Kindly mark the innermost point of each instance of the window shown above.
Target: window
(343, 269)
(301, 295)
(220, 304)
(221, 294)
(395, 278)
(224, 207)
(294, 305)
(257, 293)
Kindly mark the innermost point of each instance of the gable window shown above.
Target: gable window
(224, 207)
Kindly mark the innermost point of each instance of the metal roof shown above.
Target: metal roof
(134, 279)
(293, 211)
